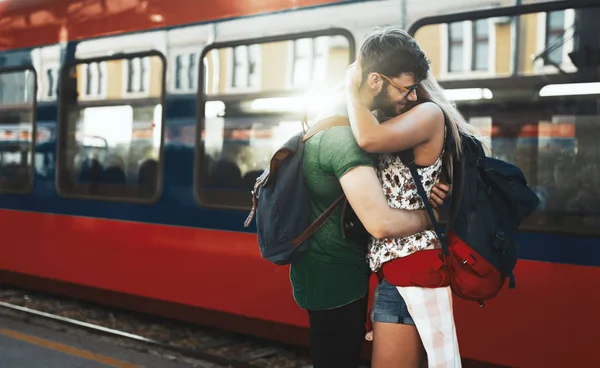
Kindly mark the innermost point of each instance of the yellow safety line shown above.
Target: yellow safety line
(68, 349)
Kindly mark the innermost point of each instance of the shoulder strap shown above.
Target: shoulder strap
(408, 158)
(316, 225)
(326, 123)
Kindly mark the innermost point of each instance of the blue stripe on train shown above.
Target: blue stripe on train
(177, 205)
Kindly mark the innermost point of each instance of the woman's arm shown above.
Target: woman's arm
(410, 129)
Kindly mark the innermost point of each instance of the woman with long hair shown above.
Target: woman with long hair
(412, 112)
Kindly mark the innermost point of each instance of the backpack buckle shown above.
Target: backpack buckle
(500, 234)
(479, 162)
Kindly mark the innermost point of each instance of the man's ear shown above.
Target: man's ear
(374, 82)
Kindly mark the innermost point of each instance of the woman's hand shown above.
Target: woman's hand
(354, 76)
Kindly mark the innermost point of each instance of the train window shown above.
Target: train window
(111, 128)
(242, 127)
(538, 104)
(17, 115)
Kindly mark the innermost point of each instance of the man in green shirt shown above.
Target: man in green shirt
(331, 280)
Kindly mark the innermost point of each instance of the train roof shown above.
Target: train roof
(29, 23)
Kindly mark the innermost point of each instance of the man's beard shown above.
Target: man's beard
(386, 109)
(382, 104)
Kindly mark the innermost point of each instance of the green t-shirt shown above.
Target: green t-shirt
(333, 272)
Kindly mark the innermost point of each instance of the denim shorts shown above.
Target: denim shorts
(389, 306)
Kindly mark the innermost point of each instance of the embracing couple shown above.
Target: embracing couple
(393, 104)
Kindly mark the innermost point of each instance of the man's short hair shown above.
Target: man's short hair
(391, 52)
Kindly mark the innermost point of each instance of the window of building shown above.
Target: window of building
(192, 71)
(555, 29)
(206, 76)
(186, 72)
(110, 149)
(179, 72)
(17, 105)
(468, 46)
(455, 47)
(309, 61)
(137, 75)
(556, 39)
(94, 83)
(245, 67)
(480, 45)
(51, 82)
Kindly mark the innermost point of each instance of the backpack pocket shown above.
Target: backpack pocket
(472, 277)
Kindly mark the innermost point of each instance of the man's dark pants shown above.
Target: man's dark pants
(337, 335)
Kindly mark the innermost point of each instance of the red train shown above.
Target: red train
(132, 130)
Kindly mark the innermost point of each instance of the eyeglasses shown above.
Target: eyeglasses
(406, 91)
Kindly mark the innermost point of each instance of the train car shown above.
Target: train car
(131, 132)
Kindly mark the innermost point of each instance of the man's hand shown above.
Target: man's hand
(439, 193)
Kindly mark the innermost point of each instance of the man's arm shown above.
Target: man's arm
(363, 191)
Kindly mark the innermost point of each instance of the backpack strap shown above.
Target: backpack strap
(408, 158)
(316, 225)
(326, 123)
(264, 178)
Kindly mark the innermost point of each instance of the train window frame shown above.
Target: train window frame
(32, 143)
(132, 100)
(491, 81)
(202, 97)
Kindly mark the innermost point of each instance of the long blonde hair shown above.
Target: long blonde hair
(430, 91)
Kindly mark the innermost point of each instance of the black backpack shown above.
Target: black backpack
(280, 200)
(490, 199)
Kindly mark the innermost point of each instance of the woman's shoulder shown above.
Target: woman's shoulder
(430, 110)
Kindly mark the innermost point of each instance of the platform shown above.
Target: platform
(24, 345)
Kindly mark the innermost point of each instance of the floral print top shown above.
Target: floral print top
(401, 192)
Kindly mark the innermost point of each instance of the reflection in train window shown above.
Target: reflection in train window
(542, 112)
(45, 148)
(559, 157)
(17, 105)
(110, 148)
(243, 128)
